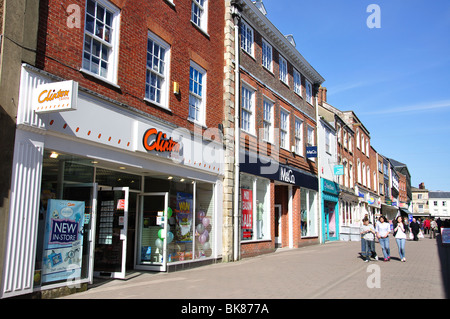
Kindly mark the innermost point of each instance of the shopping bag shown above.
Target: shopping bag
(411, 235)
(420, 235)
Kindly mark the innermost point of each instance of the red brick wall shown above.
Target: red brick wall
(60, 51)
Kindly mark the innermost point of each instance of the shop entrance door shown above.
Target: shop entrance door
(330, 221)
(111, 233)
(152, 229)
(277, 226)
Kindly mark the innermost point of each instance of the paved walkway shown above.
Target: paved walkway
(333, 270)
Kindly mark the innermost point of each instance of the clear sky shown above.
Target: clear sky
(396, 78)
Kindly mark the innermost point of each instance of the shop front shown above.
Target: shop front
(330, 210)
(278, 206)
(102, 190)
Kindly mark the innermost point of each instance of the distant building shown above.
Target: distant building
(438, 203)
(420, 201)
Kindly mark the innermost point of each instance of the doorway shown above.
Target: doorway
(277, 226)
(152, 235)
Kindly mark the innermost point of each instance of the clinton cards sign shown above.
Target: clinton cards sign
(55, 97)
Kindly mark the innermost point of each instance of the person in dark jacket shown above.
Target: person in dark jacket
(415, 228)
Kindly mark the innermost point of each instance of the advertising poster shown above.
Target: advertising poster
(184, 218)
(63, 240)
(247, 210)
(445, 235)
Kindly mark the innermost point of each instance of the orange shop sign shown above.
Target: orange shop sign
(55, 97)
(155, 140)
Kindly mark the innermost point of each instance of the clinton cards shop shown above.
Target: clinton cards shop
(103, 198)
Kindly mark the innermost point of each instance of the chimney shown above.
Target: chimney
(324, 94)
(422, 185)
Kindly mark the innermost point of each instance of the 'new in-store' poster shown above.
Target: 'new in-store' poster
(63, 240)
(184, 218)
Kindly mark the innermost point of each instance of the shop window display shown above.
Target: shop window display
(255, 207)
(308, 213)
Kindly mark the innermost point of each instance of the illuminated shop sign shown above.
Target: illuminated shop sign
(155, 140)
(55, 97)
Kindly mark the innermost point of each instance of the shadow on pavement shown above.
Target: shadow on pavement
(444, 257)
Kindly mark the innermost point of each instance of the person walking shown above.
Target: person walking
(383, 228)
(433, 228)
(415, 228)
(367, 239)
(400, 236)
(427, 226)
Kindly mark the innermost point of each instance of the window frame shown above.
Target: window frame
(297, 82)
(247, 44)
(269, 121)
(201, 120)
(298, 133)
(283, 70)
(202, 18)
(113, 45)
(284, 130)
(309, 93)
(249, 110)
(265, 59)
(164, 101)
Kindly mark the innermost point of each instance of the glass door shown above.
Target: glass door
(111, 233)
(152, 231)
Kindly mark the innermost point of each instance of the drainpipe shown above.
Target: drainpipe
(236, 240)
(319, 195)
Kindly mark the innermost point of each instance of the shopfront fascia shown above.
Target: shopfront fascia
(168, 179)
(330, 210)
(291, 187)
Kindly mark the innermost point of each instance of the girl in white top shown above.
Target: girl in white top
(383, 229)
(400, 237)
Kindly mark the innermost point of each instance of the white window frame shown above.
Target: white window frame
(247, 38)
(297, 82)
(198, 110)
(309, 95)
(284, 129)
(310, 136)
(267, 56)
(327, 140)
(298, 136)
(248, 109)
(199, 14)
(154, 70)
(283, 68)
(268, 109)
(112, 46)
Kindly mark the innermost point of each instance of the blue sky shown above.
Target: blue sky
(395, 78)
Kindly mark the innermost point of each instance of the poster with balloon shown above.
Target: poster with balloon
(202, 232)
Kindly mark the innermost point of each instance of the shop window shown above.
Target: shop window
(255, 208)
(308, 212)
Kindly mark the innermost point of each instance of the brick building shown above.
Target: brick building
(118, 137)
(277, 121)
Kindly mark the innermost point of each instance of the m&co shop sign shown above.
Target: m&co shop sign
(55, 97)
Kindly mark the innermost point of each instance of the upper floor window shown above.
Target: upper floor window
(299, 136)
(284, 129)
(267, 55)
(309, 95)
(283, 70)
(198, 13)
(100, 39)
(310, 136)
(248, 112)
(197, 88)
(327, 140)
(268, 120)
(156, 80)
(297, 82)
(246, 38)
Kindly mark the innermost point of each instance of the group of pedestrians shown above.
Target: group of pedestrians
(382, 231)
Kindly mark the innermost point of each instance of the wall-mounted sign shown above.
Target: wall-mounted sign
(311, 151)
(55, 97)
(155, 140)
(338, 169)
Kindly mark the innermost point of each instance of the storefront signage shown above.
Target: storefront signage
(155, 140)
(330, 187)
(247, 212)
(311, 151)
(287, 176)
(63, 240)
(338, 170)
(55, 97)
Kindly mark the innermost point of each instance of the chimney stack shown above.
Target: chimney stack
(422, 185)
